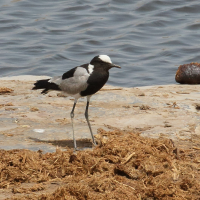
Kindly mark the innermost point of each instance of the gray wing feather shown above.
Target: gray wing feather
(77, 83)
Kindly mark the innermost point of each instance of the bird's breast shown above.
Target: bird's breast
(95, 82)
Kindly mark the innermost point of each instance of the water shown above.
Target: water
(148, 38)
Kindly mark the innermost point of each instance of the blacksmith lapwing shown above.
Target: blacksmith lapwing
(81, 81)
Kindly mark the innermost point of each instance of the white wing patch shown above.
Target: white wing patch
(56, 79)
(105, 58)
(90, 68)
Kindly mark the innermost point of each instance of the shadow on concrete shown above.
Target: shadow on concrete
(81, 143)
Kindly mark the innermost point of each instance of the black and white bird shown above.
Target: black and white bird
(81, 81)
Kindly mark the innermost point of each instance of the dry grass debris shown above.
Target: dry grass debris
(5, 90)
(123, 166)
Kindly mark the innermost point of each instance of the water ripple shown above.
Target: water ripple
(148, 38)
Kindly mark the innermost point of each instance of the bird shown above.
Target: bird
(81, 81)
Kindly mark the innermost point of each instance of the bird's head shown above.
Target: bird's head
(103, 59)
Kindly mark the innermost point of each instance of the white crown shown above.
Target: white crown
(105, 58)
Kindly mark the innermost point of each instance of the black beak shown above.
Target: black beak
(117, 66)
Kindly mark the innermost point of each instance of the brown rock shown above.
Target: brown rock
(188, 74)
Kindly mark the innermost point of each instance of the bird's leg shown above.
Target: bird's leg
(72, 119)
(86, 116)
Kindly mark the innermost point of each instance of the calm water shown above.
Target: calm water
(149, 39)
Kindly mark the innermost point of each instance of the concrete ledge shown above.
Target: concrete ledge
(34, 121)
(23, 78)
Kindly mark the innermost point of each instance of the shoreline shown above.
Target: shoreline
(34, 78)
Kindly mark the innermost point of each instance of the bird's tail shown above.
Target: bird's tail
(45, 85)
